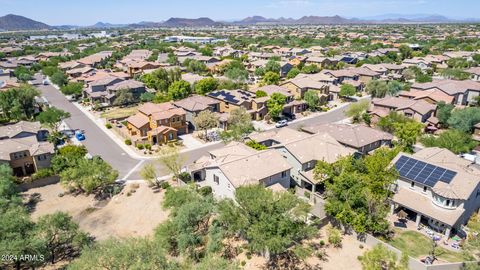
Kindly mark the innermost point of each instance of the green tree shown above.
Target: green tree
(52, 118)
(259, 215)
(205, 86)
(17, 238)
(405, 51)
(123, 97)
(271, 78)
(394, 87)
(179, 90)
(347, 90)
(161, 79)
(377, 88)
(171, 160)
(260, 93)
(272, 66)
(312, 99)
(293, 73)
(408, 133)
(444, 111)
(464, 119)
(130, 253)
(310, 69)
(205, 120)
(423, 78)
(380, 258)
(72, 88)
(195, 66)
(149, 173)
(239, 124)
(59, 78)
(146, 97)
(275, 104)
(18, 103)
(259, 72)
(88, 175)
(452, 139)
(356, 110)
(62, 237)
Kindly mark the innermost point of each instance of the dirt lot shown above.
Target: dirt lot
(135, 215)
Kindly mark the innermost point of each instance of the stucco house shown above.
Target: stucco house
(24, 147)
(236, 165)
(436, 188)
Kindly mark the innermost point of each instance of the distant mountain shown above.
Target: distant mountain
(325, 20)
(107, 25)
(183, 22)
(12, 22)
(405, 18)
(263, 20)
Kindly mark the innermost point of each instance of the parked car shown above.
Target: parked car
(79, 135)
(281, 123)
(45, 82)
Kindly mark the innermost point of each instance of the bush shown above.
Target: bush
(185, 177)
(206, 190)
(165, 185)
(108, 125)
(334, 236)
(42, 173)
(128, 142)
(148, 146)
(140, 146)
(322, 243)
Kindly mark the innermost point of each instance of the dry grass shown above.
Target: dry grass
(119, 112)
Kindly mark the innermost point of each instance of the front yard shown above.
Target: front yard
(116, 113)
(419, 246)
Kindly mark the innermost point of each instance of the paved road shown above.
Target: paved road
(98, 143)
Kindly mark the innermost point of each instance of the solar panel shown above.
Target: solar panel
(422, 172)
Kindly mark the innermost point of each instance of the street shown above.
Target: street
(98, 143)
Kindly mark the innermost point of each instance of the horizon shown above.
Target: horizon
(54, 12)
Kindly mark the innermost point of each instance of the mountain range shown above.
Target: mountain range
(15, 22)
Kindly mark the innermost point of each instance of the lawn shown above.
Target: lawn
(119, 112)
(418, 246)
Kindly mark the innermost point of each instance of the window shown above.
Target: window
(424, 188)
(412, 185)
(216, 179)
(170, 136)
(448, 203)
(284, 174)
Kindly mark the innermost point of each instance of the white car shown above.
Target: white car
(45, 82)
(281, 123)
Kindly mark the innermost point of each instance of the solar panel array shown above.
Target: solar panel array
(422, 172)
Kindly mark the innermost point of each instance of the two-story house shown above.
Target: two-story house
(233, 99)
(24, 147)
(436, 188)
(105, 90)
(463, 92)
(157, 123)
(420, 110)
(236, 165)
(195, 104)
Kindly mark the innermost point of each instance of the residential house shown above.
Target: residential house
(292, 105)
(195, 104)
(420, 110)
(24, 147)
(105, 90)
(232, 99)
(299, 85)
(236, 165)
(157, 124)
(463, 92)
(432, 96)
(475, 72)
(360, 138)
(436, 188)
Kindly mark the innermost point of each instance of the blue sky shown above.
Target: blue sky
(87, 12)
